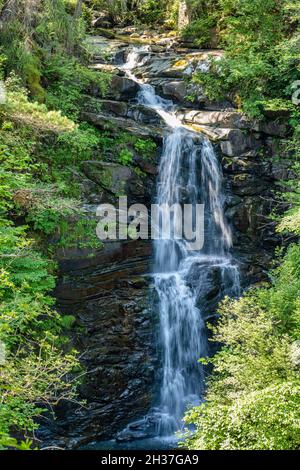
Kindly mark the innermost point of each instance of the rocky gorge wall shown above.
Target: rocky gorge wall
(247, 150)
(110, 291)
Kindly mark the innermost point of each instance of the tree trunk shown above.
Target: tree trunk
(30, 11)
(183, 15)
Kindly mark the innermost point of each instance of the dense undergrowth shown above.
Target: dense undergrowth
(261, 52)
(253, 394)
(42, 142)
(38, 366)
(163, 13)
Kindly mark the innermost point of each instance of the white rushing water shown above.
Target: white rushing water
(189, 172)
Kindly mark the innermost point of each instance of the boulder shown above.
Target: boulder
(235, 144)
(106, 51)
(110, 176)
(157, 49)
(239, 215)
(146, 115)
(273, 146)
(118, 180)
(102, 20)
(141, 429)
(90, 191)
(109, 68)
(244, 184)
(125, 31)
(175, 89)
(224, 119)
(145, 165)
(106, 33)
(282, 170)
(122, 88)
(273, 128)
(116, 107)
(232, 200)
(105, 121)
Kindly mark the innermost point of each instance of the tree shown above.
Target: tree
(183, 15)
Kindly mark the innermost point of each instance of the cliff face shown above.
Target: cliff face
(110, 292)
(111, 297)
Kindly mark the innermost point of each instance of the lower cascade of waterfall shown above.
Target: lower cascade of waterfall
(185, 280)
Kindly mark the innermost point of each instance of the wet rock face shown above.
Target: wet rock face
(176, 90)
(121, 88)
(111, 298)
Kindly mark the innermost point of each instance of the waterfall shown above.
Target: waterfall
(189, 172)
(186, 164)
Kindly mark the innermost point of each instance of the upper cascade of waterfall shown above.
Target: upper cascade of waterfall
(147, 95)
(176, 141)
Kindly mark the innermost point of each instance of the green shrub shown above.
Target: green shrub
(35, 366)
(253, 394)
(125, 157)
(261, 43)
(67, 81)
(265, 419)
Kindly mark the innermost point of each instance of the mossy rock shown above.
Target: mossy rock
(110, 176)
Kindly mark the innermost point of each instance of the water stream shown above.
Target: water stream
(185, 280)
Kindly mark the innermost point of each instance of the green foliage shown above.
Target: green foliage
(38, 146)
(139, 11)
(290, 223)
(145, 147)
(79, 233)
(58, 29)
(30, 36)
(67, 81)
(20, 56)
(39, 365)
(201, 30)
(122, 147)
(151, 11)
(71, 148)
(125, 157)
(265, 419)
(261, 42)
(253, 394)
(35, 366)
(282, 300)
(19, 108)
(206, 15)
